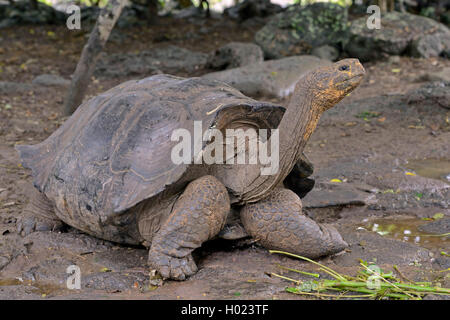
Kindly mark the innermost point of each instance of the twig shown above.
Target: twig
(299, 271)
(324, 268)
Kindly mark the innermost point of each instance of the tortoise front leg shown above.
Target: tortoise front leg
(197, 216)
(279, 224)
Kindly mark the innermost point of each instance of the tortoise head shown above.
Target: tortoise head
(314, 93)
(331, 84)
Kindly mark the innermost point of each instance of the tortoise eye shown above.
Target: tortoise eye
(344, 68)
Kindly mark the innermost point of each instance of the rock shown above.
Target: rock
(252, 8)
(255, 22)
(122, 258)
(436, 92)
(300, 29)
(22, 13)
(234, 55)
(76, 243)
(401, 182)
(170, 59)
(440, 226)
(185, 13)
(19, 292)
(427, 46)
(114, 281)
(443, 75)
(132, 15)
(442, 262)
(50, 80)
(273, 78)
(3, 262)
(14, 87)
(394, 59)
(50, 269)
(334, 195)
(400, 33)
(434, 297)
(192, 14)
(326, 52)
(5, 23)
(368, 246)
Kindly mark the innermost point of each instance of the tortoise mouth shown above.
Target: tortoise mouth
(351, 83)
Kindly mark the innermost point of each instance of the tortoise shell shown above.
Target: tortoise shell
(115, 150)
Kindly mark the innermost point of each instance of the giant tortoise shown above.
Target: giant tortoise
(109, 169)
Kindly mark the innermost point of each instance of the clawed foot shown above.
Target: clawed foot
(172, 267)
(334, 243)
(28, 224)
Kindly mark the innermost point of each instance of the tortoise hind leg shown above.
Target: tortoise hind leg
(197, 216)
(39, 215)
(279, 224)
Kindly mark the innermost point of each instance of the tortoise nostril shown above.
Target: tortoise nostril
(344, 68)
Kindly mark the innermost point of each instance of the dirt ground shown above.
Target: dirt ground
(395, 157)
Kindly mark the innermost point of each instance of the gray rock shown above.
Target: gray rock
(185, 13)
(75, 242)
(440, 226)
(443, 75)
(234, 55)
(114, 281)
(5, 23)
(299, 29)
(50, 80)
(442, 262)
(121, 258)
(335, 194)
(370, 246)
(252, 8)
(394, 59)
(273, 78)
(3, 262)
(435, 92)
(22, 13)
(435, 297)
(14, 87)
(427, 46)
(400, 33)
(170, 59)
(19, 292)
(400, 182)
(326, 52)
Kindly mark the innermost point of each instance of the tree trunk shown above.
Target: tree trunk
(86, 65)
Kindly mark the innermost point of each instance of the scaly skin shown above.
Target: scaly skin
(39, 215)
(197, 216)
(278, 223)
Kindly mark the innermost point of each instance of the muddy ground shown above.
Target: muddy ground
(391, 157)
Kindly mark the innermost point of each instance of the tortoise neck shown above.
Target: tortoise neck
(298, 123)
(295, 128)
